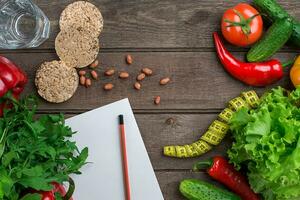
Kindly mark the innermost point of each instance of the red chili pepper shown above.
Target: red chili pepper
(12, 78)
(254, 74)
(219, 169)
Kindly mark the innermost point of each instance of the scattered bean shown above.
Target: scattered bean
(82, 80)
(129, 59)
(164, 81)
(157, 100)
(109, 72)
(94, 74)
(88, 82)
(123, 75)
(141, 77)
(94, 64)
(147, 71)
(82, 73)
(137, 85)
(108, 86)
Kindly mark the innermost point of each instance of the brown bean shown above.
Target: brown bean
(137, 85)
(129, 59)
(94, 64)
(88, 82)
(82, 73)
(164, 81)
(157, 100)
(82, 80)
(94, 74)
(123, 75)
(109, 72)
(108, 86)
(147, 71)
(141, 77)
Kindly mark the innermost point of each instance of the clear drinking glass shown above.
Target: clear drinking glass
(22, 24)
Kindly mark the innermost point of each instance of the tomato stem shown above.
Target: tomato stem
(288, 63)
(203, 165)
(243, 23)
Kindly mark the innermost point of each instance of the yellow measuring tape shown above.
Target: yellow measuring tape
(216, 131)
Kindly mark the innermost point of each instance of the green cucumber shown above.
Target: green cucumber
(194, 189)
(295, 38)
(277, 35)
(272, 11)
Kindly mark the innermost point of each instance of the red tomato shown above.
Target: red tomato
(242, 25)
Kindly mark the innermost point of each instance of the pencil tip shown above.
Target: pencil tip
(121, 119)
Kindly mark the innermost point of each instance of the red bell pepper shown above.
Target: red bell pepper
(219, 169)
(12, 78)
(254, 74)
(58, 188)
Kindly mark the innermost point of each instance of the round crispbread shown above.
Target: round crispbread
(76, 48)
(56, 82)
(82, 16)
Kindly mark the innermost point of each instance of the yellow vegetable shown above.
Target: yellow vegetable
(216, 131)
(295, 73)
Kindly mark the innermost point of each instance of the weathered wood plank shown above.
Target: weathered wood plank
(198, 81)
(154, 23)
(159, 130)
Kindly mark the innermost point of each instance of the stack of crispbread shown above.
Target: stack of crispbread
(77, 46)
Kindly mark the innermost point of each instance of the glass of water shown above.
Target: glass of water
(22, 24)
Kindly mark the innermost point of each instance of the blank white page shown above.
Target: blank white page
(102, 179)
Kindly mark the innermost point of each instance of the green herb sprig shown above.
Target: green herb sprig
(34, 151)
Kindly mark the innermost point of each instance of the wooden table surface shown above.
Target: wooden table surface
(174, 38)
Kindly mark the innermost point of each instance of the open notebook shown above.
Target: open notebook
(102, 179)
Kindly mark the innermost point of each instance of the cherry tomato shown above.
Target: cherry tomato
(242, 25)
(295, 73)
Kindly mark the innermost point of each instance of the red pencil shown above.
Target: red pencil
(125, 160)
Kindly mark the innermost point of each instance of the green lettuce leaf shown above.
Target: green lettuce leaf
(267, 142)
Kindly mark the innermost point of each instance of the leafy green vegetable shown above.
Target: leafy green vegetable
(32, 197)
(34, 152)
(267, 142)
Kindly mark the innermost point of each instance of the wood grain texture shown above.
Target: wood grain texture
(154, 23)
(159, 130)
(172, 37)
(198, 81)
